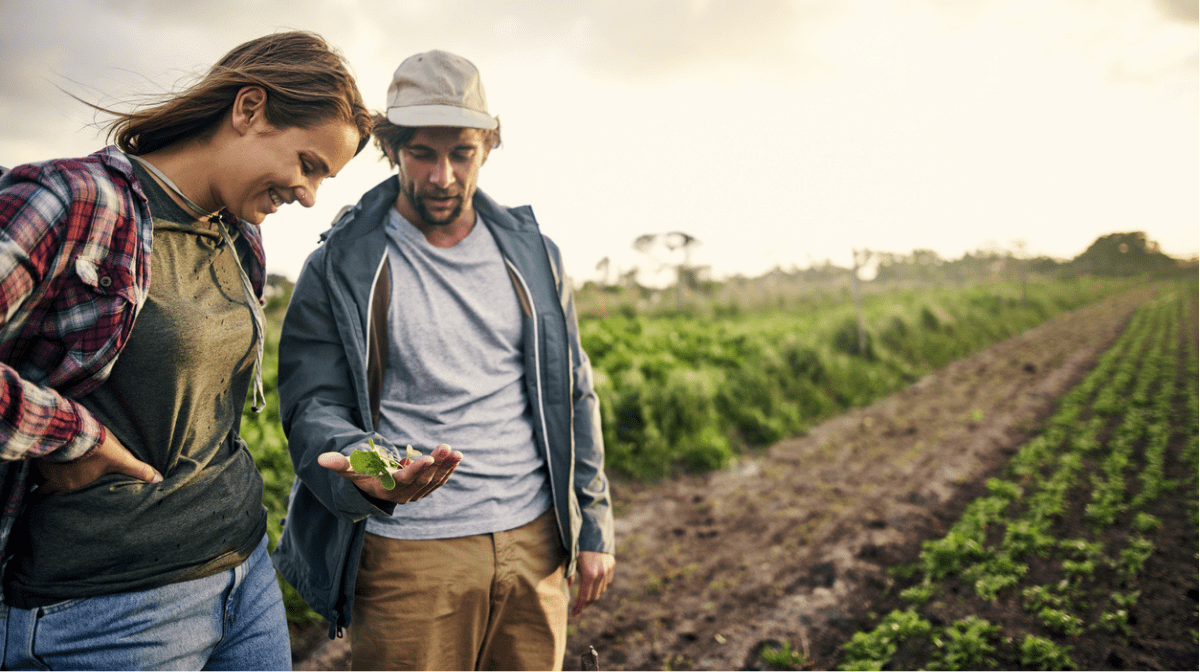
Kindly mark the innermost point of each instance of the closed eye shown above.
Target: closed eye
(313, 167)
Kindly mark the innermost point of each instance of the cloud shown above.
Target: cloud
(636, 41)
(630, 41)
(823, 124)
(1187, 11)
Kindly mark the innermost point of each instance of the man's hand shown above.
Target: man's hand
(426, 474)
(595, 572)
(110, 457)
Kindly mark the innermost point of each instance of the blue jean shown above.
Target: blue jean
(229, 621)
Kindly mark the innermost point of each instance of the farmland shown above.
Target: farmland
(1050, 569)
(730, 553)
(781, 559)
(688, 392)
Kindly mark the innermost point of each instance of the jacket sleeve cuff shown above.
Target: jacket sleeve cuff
(357, 505)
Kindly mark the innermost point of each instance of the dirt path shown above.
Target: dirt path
(785, 546)
(780, 548)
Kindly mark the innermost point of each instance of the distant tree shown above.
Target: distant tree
(861, 259)
(603, 267)
(1020, 255)
(679, 247)
(1123, 254)
(921, 265)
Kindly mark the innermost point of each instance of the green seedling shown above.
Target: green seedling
(378, 462)
(965, 644)
(783, 657)
(1042, 654)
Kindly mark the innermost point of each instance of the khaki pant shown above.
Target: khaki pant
(486, 602)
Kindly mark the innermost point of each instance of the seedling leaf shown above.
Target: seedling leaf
(376, 462)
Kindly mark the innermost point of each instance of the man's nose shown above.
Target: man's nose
(443, 174)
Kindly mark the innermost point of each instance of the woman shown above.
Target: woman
(141, 540)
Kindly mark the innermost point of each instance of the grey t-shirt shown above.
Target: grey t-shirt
(173, 399)
(455, 375)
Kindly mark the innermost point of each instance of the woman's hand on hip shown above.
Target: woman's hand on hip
(110, 457)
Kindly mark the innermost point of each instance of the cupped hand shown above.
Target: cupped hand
(414, 481)
(110, 457)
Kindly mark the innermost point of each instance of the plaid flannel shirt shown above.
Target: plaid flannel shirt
(75, 240)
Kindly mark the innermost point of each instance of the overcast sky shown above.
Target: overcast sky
(778, 133)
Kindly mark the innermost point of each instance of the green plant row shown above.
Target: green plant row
(678, 391)
(684, 392)
(1110, 456)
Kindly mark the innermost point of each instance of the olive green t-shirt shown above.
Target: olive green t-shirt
(174, 399)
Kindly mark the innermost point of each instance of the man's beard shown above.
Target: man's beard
(426, 216)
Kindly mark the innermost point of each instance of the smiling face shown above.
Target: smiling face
(267, 167)
(439, 167)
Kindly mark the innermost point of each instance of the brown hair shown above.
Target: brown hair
(389, 137)
(307, 83)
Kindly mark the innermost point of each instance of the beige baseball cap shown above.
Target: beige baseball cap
(437, 88)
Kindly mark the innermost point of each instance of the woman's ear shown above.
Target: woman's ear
(249, 108)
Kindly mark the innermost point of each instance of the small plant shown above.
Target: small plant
(965, 644)
(1115, 621)
(1082, 549)
(872, 650)
(379, 462)
(1022, 537)
(1040, 653)
(1061, 620)
(1135, 555)
(1127, 600)
(1079, 567)
(1006, 489)
(784, 657)
(949, 554)
(1037, 597)
(917, 595)
(1146, 523)
(988, 586)
(995, 574)
(905, 570)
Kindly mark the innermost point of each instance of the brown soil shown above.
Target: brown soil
(794, 545)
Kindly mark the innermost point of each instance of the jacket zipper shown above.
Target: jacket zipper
(537, 370)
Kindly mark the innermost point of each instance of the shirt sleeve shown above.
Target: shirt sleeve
(34, 420)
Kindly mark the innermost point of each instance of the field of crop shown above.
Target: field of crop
(1049, 570)
(815, 554)
(685, 396)
(694, 393)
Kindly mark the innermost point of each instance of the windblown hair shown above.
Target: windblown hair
(307, 83)
(389, 137)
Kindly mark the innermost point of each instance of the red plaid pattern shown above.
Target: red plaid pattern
(75, 239)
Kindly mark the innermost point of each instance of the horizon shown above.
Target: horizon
(780, 133)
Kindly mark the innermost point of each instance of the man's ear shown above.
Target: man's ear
(249, 108)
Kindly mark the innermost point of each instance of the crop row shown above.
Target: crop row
(678, 391)
(684, 391)
(1054, 551)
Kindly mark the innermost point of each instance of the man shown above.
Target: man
(431, 315)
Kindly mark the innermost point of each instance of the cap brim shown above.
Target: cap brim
(440, 115)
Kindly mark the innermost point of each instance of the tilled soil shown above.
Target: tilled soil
(793, 546)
